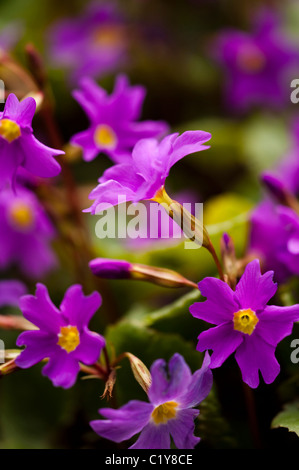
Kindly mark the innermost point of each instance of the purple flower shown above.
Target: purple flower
(19, 147)
(26, 234)
(145, 175)
(170, 412)
(267, 239)
(110, 268)
(289, 223)
(94, 44)
(245, 324)
(63, 336)
(11, 291)
(259, 65)
(114, 128)
(274, 239)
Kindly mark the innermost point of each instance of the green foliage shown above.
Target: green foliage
(288, 418)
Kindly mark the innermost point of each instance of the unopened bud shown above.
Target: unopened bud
(120, 269)
(140, 371)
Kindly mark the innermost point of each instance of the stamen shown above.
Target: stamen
(251, 59)
(9, 130)
(105, 137)
(164, 412)
(21, 216)
(69, 338)
(245, 321)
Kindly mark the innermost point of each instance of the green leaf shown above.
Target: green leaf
(148, 345)
(177, 308)
(288, 418)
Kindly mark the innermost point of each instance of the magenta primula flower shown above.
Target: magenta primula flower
(173, 395)
(93, 44)
(146, 173)
(246, 325)
(19, 147)
(259, 64)
(26, 234)
(114, 126)
(63, 335)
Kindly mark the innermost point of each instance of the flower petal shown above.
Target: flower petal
(39, 159)
(182, 429)
(85, 140)
(223, 339)
(200, 385)
(187, 143)
(62, 369)
(166, 387)
(275, 323)
(90, 347)
(76, 308)
(40, 310)
(123, 423)
(153, 437)
(220, 304)
(253, 355)
(108, 194)
(39, 346)
(255, 290)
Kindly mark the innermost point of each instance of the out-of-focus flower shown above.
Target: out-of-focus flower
(94, 44)
(146, 173)
(63, 335)
(268, 239)
(170, 412)
(259, 65)
(19, 147)
(26, 233)
(10, 292)
(114, 128)
(246, 325)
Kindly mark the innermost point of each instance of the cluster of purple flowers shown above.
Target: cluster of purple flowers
(142, 155)
(93, 44)
(259, 65)
(274, 234)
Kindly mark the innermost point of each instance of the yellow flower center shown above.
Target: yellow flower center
(251, 59)
(9, 130)
(110, 35)
(21, 216)
(69, 338)
(245, 321)
(105, 137)
(164, 412)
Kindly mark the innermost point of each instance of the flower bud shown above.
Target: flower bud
(120, 269)
(140, 371)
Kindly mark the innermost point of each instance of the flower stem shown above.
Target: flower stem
(191, 226)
